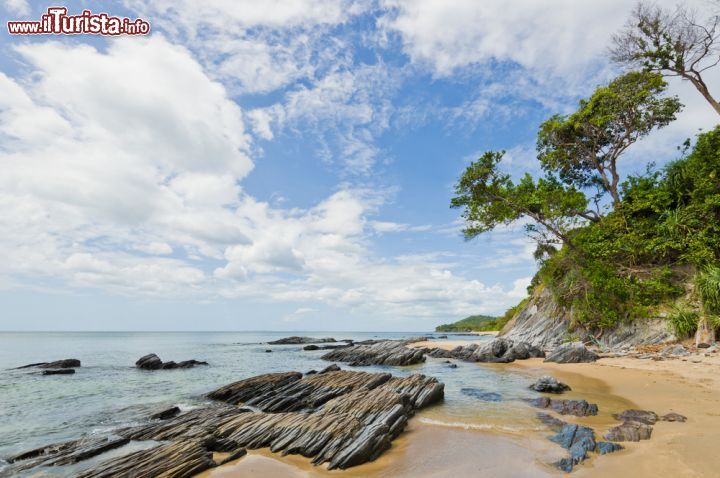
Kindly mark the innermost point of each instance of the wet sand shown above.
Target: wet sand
(615, 384)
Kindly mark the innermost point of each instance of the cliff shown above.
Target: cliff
(544, 323)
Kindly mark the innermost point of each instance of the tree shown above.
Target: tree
(490, 198)
(584, 147)
(671, 43)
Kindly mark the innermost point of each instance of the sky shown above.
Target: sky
(286, 164)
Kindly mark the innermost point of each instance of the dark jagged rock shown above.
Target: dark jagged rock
(176, 459)
(330, 368)
(165, 414)
(579, 408)
(342, 418)
(497, 351)
(630, 431)
(386, 352)
(452, 365)
(442, 336)
(641, 416)
(327, 347)
(311, 347)
(574, 352)
(481, 395)
(66, 453)
(548, 384)
(605, 447)
(553, 423)
(295, 340)
(268, 351)
(65, 363)
(62, 371)
(153, 362)
(673, 417)
(578, 440)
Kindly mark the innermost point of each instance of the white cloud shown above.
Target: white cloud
(18, 7)
(134, 187)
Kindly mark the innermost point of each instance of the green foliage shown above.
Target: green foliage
(708, 287)
(474, 323)
(490, 198)
(510, 313)
(583, 148)
(684, 320)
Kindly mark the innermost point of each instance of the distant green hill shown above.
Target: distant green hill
(474, 323)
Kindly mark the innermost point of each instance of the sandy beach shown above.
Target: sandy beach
(689, 386)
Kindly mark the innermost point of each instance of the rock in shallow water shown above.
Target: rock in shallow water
(62, 371)
(342, 418)
(630, 431)
(579, 408)
(295, 340)
(574, 352)
(153, 362)
(481, 394)
(499, 350)
(64, 363)
(386, 352)
(548, 384)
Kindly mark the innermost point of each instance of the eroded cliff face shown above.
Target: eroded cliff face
(545, 324)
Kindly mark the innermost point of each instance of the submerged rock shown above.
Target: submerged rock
(578, 440)
(153, 362)
(574, 352)
(342, 418)
(296, 340)
(61, 371)
(579, 408)
(548, 384)
(481, 394)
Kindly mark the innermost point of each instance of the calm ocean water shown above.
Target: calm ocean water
(107, 392)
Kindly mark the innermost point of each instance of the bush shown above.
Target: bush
(684, 320)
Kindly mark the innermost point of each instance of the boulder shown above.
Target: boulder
(153, 362)
(579, 408)
(499, 350)
(574, 352)
(330, 368)
(605, 447)
(165, 414)
(629, 431)
(311, 347)
(673, 417)
(548, 384)
(641, 416)
(578, 440)
(677, 350)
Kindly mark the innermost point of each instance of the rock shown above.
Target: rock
(311, 372)
(165, 414)
(442, 336)
(574, 352)
(268, 351)
(629, 431)
(579, 408)
(552, 422)
(497, 351)
(452, 365)
(65, 363)
(327, 347)
(149, 362)
(153, 362)
(311, 347)
(62, 371)
(481, 394)
(605, 447)
(578, 440)
(341, 418)
(678, 350)
(641, 416)
(330, 368)
(235, 455)
(673, 417)
(386, 352)
(548, 384)
(295, 340)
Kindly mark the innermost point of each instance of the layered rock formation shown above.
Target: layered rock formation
(499, 350)
(296, 340)
(153, 362)
(386, 352)
(342, 418)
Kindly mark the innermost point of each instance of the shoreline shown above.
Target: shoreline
(688, 386)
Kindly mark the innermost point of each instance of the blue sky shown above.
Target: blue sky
(282, 167)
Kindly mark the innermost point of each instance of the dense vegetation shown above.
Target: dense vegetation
(474, 323)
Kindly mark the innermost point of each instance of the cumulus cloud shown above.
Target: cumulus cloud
(115, 178)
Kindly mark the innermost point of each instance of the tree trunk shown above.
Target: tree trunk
(703, 89)
(705, 335)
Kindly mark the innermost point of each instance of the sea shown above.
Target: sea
(107, 392)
